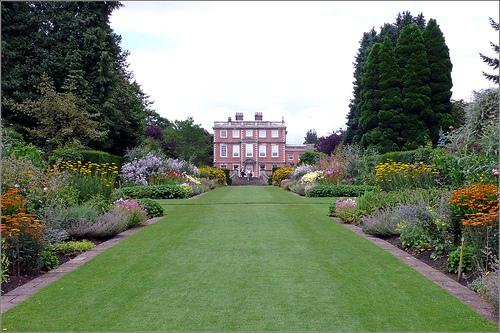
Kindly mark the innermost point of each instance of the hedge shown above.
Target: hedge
(152, 192)
(101, 157)
(339, 190)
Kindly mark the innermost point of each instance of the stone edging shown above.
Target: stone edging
(16, 296)
(464, 294)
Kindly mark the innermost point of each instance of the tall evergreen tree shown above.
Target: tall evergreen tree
(370, 97)
(387, 134)
(492, 62)
(412, 60)
(440, 83)
(353, 134)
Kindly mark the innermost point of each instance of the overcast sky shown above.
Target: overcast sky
(209, 60)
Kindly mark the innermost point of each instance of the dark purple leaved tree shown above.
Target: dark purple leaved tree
(329, 143)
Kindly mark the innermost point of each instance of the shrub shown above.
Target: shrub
(487, 284)
(345, 209)
(229, 180)
(214, 174)
(100, 157)
(48, 261)
(339, 190)
(108, 224)
(300, 171)
(65, 154)
(286, 184)
(71, 247)
(152, 192)
(5, 263)
(134, 211)
(281, 173)
(153, 208)
(453, 262)
(23, 241)
(382, 222)
(311, 157)
(188, 191)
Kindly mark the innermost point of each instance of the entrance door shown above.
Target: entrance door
(249, 168)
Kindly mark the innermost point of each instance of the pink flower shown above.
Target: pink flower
(495, 172)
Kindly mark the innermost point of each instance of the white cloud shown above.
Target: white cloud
(208, 60)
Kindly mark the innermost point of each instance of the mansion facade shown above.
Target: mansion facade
(254, 146)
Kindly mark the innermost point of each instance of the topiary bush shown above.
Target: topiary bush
(153, 208)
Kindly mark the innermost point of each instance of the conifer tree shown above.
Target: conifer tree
(440, 83)
(387, 134)
(412, 60)
(370, 97)
(492, 62)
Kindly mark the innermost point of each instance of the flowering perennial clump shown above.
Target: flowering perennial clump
(345, 209)
(281, 173)
(134, 210)
(476, 204)
(311, 178)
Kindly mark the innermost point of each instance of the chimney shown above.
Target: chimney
(239, 116)
(258, 115)
(228, 119)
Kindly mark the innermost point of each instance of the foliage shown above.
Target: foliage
(71, 247)
(310, 157)
(87, 52)
(152, 207)
(338, 190)
(311, 137)
(440, 82)
(487, 284)
(12, 143)
(333, 170)
(453, 261)
(396, 175)
(23, 241)
(61, 118)
(215, 174)
(104, 225)
(188, 141)
(326, 145)
(100, 157)
(5, 264)
(345, 209)
(135, 211)
(382, 222)
(188, 191)
(48, 261)
(65, 154)
(422, 229)
(281, 173)
(492, 62)
(152, 192)
(229, 180)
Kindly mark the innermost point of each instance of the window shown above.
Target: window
(249, 133)
(236, 133)
(236, 150)
(223, 134)
(223, 150)
(249, 150)
(274, 151)
(262, 151)
(262, 133)
(275, 134)
(263, 167)
(223, 166)
(290, 157)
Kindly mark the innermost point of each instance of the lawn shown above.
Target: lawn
(244, 259)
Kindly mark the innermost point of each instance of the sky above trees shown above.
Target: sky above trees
(208, 60)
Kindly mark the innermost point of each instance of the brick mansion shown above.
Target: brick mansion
(254, 146)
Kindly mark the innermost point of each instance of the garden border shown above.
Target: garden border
(461, 292)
